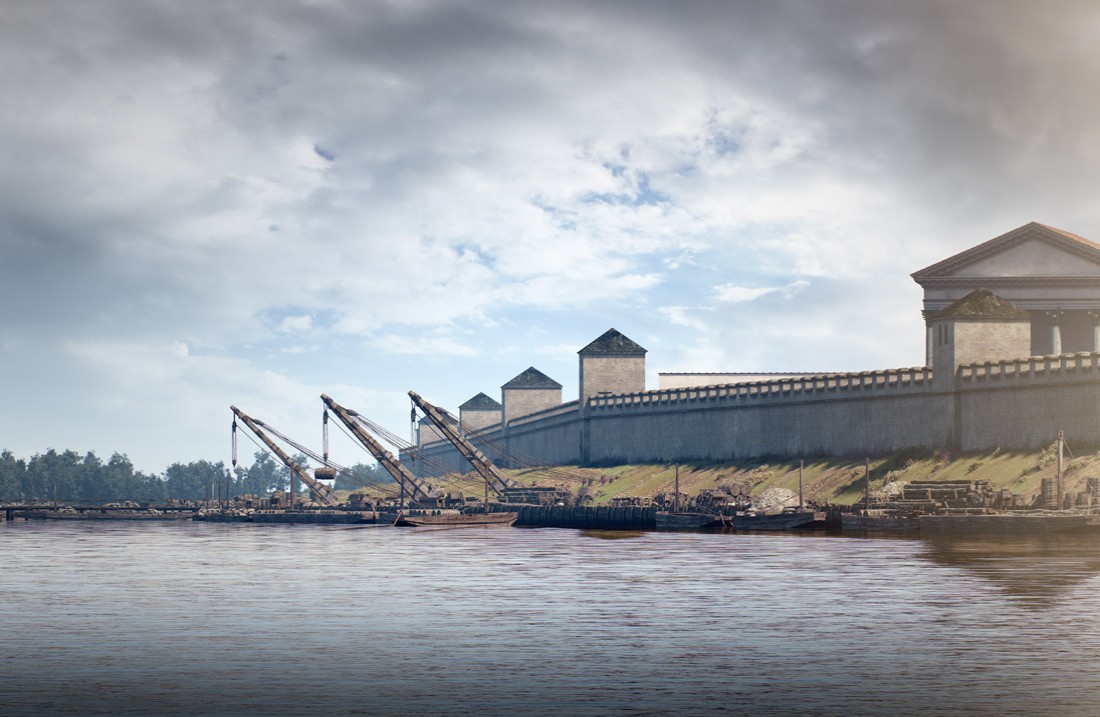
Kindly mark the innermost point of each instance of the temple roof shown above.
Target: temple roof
(532, 378)
(1064, 249)
(982, 304)
(612, 343)
(481, 402)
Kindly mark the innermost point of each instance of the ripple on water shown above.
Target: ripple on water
(238, 619)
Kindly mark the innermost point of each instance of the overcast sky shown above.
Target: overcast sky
(252, 203)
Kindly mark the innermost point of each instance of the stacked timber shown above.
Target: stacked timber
(952, 494)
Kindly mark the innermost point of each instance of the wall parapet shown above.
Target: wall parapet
(820, 385)
(1049, 367)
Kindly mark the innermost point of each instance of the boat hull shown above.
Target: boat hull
(857, 522)
(687, 521)
(457, 520)
(779, 521)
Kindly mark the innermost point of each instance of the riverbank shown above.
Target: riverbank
(825, 480)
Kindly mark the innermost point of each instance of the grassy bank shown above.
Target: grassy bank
(832, 480)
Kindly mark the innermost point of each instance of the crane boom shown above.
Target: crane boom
(320, 491)
(492, 475)
(417, 489)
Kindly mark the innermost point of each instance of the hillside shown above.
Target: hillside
(825, 480)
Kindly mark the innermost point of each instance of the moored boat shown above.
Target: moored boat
(787, 520)
(457, 520)
(878, 520)
(670, 520)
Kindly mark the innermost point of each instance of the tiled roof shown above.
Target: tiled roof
(612, 343)
(481, 402)
(1066, 240)
(982, 304)
(532, 378)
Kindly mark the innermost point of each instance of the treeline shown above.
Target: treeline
(69, 476)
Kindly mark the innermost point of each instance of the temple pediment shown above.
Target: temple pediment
(1033, 251)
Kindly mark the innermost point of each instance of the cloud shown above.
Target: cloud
(295, 324)
(731, 293)
(443, 176)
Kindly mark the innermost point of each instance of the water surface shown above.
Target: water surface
(206, 619)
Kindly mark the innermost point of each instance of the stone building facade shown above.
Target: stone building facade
(1051, 274)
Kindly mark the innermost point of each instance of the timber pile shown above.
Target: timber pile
(946, 496)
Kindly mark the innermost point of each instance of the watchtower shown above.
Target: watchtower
(611, 364)
(981, 326)
(479, 412)
(528, 393)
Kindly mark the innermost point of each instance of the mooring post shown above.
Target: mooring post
(801, 464)
(867, 483)
(676, 497)
(1061, 495)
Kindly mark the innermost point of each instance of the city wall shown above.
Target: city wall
(1018, 404)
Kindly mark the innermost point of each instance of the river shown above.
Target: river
(205, 619)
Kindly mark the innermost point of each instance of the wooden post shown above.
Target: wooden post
(801, 504)
(867, 483)
(1061, 495)
(676, 496)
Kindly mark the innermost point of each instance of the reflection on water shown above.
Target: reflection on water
(207, 619)
(1041, 568)
(613, 534)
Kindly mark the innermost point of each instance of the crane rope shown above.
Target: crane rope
(346, 472)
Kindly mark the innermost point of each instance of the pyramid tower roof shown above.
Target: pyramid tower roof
(481, 402)
(532, 378)
(982, 304)
(612, 343)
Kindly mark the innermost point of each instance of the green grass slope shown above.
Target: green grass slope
(831, 480)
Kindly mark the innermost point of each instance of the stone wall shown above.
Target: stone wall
(836, 414)
(475, 420)
(611, 375)
(1024, 403)
(1018, 404)
(520, 402)
(980, 340)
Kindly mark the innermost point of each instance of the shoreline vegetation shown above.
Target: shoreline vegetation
(832, 480)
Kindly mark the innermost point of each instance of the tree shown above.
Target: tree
(262, 477)
(11, 476)
(88, 479)
(194, 480)
(52, 475)
(363, 476)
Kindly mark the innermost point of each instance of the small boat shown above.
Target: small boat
(457, 520)
(787, 520)
(670, 520)
(878, 520)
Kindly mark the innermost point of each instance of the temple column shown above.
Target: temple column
(929, 343)
(1055, 331)
(1095, 316)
